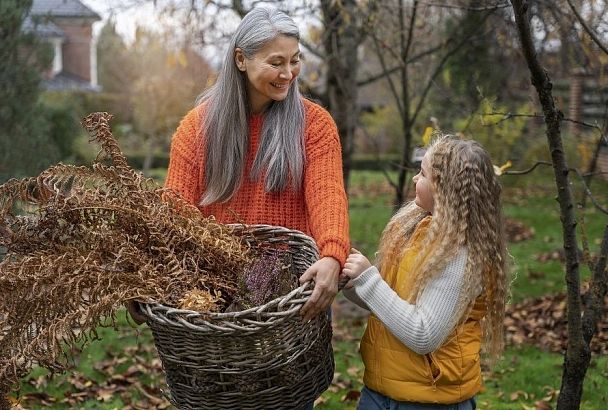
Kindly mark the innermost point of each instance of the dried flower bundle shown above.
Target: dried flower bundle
(267, 277)
(80, 241)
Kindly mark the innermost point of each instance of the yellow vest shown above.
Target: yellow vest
(450, 374)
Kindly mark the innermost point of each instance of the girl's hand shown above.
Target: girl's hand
(356, 264)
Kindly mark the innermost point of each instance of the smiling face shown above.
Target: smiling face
(270, 71)
(424, 189)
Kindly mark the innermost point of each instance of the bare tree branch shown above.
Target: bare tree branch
(312, 49)
(410, 33)
(391, 83)
(592, 314)
(509, 115)
(527, 170)
(393, 70)
(588, 29)
(237, 6)
(580, 175)
(443, 61)
(588, 191)
(498, 5)
(405, 46)
(383, 169)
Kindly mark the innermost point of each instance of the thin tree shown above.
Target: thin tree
(582, 321)
(410, 93)
(345, 28)
(25, 146)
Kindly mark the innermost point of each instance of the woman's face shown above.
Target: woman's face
(270, 71)
(424, 190)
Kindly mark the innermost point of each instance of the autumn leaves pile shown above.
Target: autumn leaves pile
(77, 242)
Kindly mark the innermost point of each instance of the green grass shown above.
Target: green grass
(117, 351)
(527, 375)
(543, 214)
(372, 219)
(349, 368)
(534, 278)
(370, 208)
(523, 377)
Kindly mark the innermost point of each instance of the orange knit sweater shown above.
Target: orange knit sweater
(320, 209)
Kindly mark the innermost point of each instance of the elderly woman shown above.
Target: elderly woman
(255, 151)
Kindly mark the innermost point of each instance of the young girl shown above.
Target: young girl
(441, 270)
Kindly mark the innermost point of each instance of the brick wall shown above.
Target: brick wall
(602, 162)
(77, 46)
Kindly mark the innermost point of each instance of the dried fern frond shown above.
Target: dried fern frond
(81, 241)
(201, 301)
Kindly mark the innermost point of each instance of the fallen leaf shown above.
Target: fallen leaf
(353, 371)
(105, 395)
(352, 395)
(320, 400)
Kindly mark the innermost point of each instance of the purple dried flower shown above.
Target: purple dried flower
(262, 278)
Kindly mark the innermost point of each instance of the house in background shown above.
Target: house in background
(67, 26)
(585, 94)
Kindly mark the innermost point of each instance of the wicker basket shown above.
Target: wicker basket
(261, 358)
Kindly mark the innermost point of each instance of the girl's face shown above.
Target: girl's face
(424, 190)
(270, 71)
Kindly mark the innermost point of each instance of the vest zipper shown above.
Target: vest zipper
(429, 361)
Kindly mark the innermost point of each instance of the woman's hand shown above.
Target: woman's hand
(325, 273)
(356, 264)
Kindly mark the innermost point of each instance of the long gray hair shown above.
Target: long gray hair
(225, 129)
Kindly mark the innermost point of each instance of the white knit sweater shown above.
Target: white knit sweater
(422, 327)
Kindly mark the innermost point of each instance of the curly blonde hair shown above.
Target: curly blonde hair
(466, 214)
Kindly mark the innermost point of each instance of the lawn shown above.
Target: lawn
(122, 369)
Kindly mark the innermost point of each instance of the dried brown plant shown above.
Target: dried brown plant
(81, 241)
(201, 301)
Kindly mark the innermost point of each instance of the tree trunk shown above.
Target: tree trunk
(341, 41)
(405, 40)
(148, 156)
(578, 354)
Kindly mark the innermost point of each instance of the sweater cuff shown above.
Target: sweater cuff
(366, 277)
(336, 250)
(366, 284)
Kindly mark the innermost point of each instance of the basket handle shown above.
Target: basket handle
(342, 281)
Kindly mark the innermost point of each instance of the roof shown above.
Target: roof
(44, 28)
(62, 8)
(66, 81)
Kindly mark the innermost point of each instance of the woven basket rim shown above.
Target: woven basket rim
(304, 291)
(294, 299)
